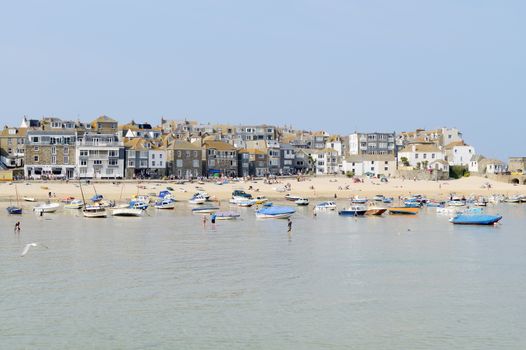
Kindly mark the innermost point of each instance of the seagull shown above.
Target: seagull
(29, 245)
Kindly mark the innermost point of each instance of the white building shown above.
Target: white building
(481, 165)
(372, 143)
(326, 161)
(374, 165)
(458, 153)
(419, 155)
(157, 161)
(335, 143)
(99, 156)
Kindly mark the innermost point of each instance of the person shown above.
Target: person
(204, 221)
(289, 224)
(314, 212)
(213, 218)
(17, 227)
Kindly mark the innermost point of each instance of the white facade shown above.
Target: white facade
(377, 166)
(326, 161)
(156, 159)
(335, 145)
(460, 155)
(99, 156)
(419, 154)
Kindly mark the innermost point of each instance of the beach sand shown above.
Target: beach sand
(320, 187)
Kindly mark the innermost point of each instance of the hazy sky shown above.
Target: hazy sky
(335, 65)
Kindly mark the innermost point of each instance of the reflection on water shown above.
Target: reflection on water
(165, 281)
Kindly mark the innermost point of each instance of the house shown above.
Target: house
(517, 165)
(439, 165)
(257, 132)
(370, 164)
(253, 162)
(157, 161)
(12, 146)
(372, 143)
(50, 154)
(484, 166)
(104, 125)
(287, 157)
(440, 137)
(184, 159)
(458, 153)
(220, 158)
(419, 155)
(335, 143)
(303, 161)
(326, 161)
(137, 158)
(99, 156)
(144, 130)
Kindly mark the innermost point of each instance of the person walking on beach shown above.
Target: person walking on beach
(204, 221)
(289, 224)
(17, 227)
(213, 219)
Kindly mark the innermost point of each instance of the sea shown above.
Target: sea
(166, 281)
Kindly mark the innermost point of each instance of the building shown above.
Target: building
(458, 153)
(257, 132)
(12, 146)
(144, 130)
(157, 161)
(517, 165)
(104, 125)
(484, 166)
(50, 154)
(327, 161)
(220, 158)
(419, 155)
(184, 160)
(137, 158)
(440, 137)
(303, 161)
(253, 162)
(100, 156)
(372, 143)
(287, 157)
(370, 164)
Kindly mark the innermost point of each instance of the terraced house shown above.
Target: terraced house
(50, 154)
(184, 159)
(220, 158)
(99, 156)
(12, 145)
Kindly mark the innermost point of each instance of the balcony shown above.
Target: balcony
(85, 143)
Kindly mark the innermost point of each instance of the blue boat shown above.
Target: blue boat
(275, 212)
(475, 219)
(138, 205)
(355, 210)
(164, 193)
(14, 210)
(387, 200)
(267, 204)
(97, 198)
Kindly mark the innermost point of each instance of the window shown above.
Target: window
(416, 155)
(432, 155)
(161, 163)
(113, 162)
(178, 153)
(66, 150)
(35, 159)
(153, 162)
(53, 150)
(35, 139)
(160, 156)
(386, 168)
(131, 163)
(97, 162)
(83, 153)
(153, 155)
(53, 159)
(187, 154)
(35, 149)
(113, 153)
(9, 141)
(425, 155)
(195, 163)
(179, 163)
(83, 162)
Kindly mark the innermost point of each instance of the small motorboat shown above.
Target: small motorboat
(205, 210)
(412, 204)
(403, 210)
(353, 210)
(291, 197)
(197, 200)
(275, 212)
(456, 203)
(97, 198)
(261, 199)
(358, 200)
(475, 219)
(166, 203)
(227, 215)
(12, 210)
(246, 203)
(325, 206)
(375, 211)
(379, 198)
(29, 199)
(513, 199)
(137, 204)
(127, 212)
(67, 200)
(165, 193)
(94, 211)
(47, 208)
(74, 204)
(388, 200)
(302, 201)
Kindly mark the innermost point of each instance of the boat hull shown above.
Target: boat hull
(14, 210)
(403, 211)
(127, 212)
(375, 211)
(475, 219)
(352, 212)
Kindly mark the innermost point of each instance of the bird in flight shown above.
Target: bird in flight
(29, 245)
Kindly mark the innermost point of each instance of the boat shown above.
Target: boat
(358, 200)
(246, 203)
(456, 203)
(434, 204)
(202, 194)
(302, 201)
(138, 204)
(291, 197)
(412, 204)
(378, 198)
(353, 210)
(481, 202)
(197, 200)
(28, 199)
(67, 200)
(475, 219)
(141, 198)
(127, 212)
(47, 208)
(325, 206)
(74, 204)
(275, 212)
(513, 199)
(448, 210)
(241, 193)
(166, 203)
(227, 215)
(165, 193)
(97, 198)
(205, 210)
(388, 200)
(375, 211)
(94, 211)
(261, 199)
(12, 209)
(403, 211)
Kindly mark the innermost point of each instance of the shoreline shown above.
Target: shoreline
(325, 188)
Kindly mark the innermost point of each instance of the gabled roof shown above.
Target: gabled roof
(219, 145)
(103, 119)
(455, 144)
(183, 145)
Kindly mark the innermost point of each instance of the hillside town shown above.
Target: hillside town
(52, 148)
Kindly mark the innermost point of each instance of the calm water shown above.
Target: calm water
(162, 281)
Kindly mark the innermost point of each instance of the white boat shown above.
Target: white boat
(247, 203)
(28, 199)
(127, 212)
(448, 210)
(166, 203)
(358, 200)
(47, 208)
(205, 210)
(456, 203)
(94, 211)
(197, 200)
(291, 197)
(74, 204)
(275, 212)
(513, 199)
(302, 201)
(325, 206)
(227, 215)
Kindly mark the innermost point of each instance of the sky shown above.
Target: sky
(341, 66)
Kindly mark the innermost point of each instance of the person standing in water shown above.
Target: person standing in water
(17, 227)
(204, 221)
(289, 224)
(213, 219)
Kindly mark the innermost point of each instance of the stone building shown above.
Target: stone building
(184, 159)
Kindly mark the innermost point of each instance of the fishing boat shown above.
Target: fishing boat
(166, 203)
(275, 212)
(74, 204)
(325, 206)
(205, 210)
(47, 208)
(291, 197)
(403, 211)
(197, 200)
(302, 201)
(28, 199)
(138, 204)
(227, 215)
(127, 212)
(358, 200)
(94, 211)
(475, 219)
(375, 211)
(353, 210)
(15, 210)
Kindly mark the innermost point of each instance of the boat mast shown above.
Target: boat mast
(17, 201)
(82, 193)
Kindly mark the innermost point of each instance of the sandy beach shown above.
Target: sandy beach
(324, 187)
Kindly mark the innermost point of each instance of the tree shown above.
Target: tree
(405, 161)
